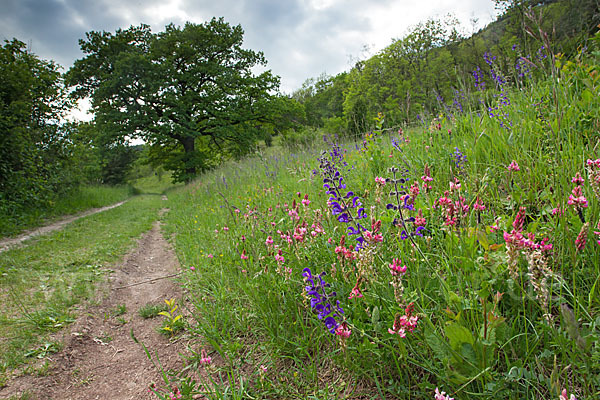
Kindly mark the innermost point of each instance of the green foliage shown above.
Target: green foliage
(35, 165)
(189, 92)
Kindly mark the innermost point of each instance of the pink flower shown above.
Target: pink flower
(578, 179)
(269, 241)
(478, 205)
(244, 256)
(356, 290)
(563, 396)
(442, 395)
(225, 229)
(343, 330)
(577, 198)
(514, 166)
(582, 237)
(192, 268)
(279, 258)
(205, 359)
(210, 256)
(379, 180)
(396, 267)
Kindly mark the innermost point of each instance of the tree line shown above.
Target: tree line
(191, 95)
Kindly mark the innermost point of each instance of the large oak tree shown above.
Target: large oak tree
(190, 92)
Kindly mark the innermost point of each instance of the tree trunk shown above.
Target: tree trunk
(188, 143)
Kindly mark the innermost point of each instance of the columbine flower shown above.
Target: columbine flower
(514, 166)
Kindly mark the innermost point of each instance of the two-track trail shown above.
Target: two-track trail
(100, 360)
(6, 243)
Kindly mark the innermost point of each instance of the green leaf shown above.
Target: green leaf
(457, 335)
(437, 345)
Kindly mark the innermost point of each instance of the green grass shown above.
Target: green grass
(80, 199)
(152, 310)
(42, 283)
(482, 332)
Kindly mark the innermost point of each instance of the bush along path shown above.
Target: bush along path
(97, 356)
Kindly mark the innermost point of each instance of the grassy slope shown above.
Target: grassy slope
(482, 332)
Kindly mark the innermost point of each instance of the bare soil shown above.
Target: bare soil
(100, 360)
(7, 243)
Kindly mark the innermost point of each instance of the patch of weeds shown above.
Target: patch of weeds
(121, 321)
(38, 370)
(81, 380)
(173, 323)
(152, 310)
(44, 350)
(104, 339)
(23, 396)
(120, 310)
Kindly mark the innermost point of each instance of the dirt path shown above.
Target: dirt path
(7, 243)
(100, 360)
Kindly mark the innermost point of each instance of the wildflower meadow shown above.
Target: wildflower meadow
(458, 258)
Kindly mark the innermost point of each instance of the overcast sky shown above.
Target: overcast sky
(300, 38)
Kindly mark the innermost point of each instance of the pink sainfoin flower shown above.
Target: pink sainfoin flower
(204, 358)
(396, 267)
(269, 241)
(343, 330)
(379, 180)
(514, 166)
(279, 257)
(225, 229)
(455, 185)
(478, 205)
(356, 290)
(404, 323)
(563, 396)
(175, 394)
(577, 199)
(419, 220)
(442, 395)
(582, 237)
(593, 169)
(210, 256)
(557, 211)
(597, 233)
(426, 178)
(192, 268)
(244, 256)
(305, 200)
(578, 179)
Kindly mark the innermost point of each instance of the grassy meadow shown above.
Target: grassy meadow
(459, 256)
